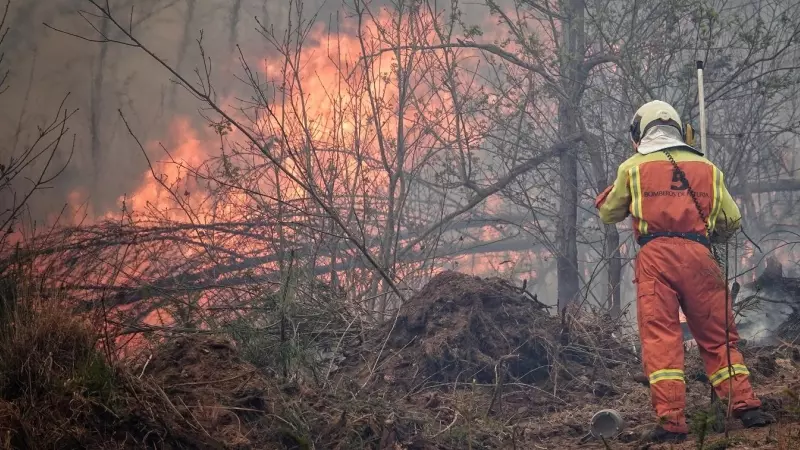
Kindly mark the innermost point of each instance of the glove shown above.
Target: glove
(602, 197)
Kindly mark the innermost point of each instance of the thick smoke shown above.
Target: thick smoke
(46, 65)
(761, 322)
(101, 79)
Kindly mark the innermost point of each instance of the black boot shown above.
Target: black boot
(755, 417)
(659, 434)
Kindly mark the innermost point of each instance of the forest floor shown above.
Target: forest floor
(467, 364)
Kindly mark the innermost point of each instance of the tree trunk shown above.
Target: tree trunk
(97, 105)
(611, 242)
(614, 271)
(191, 6)
(567, 260)
(573, 40)
(236, 12)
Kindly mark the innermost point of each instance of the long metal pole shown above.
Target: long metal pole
(702, 99)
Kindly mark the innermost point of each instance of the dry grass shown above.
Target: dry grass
(43, 350)
(50, 369)
(58, 391)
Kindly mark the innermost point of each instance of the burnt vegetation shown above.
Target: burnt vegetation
(280, 246)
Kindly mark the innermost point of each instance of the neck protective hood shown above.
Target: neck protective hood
(662, 137)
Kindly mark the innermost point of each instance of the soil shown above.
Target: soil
(468, 363)
(207, 382)
(776, 382)
(458, 328)
(461, 329)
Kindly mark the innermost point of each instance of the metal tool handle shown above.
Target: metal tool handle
(702, 100)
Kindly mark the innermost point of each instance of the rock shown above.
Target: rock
(603, 389)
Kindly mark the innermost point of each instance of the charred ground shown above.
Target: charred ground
(468, 363)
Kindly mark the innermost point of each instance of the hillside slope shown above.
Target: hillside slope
(467, 364)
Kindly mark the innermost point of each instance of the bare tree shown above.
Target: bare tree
(413, 140)
(25, 173)
(183, 48)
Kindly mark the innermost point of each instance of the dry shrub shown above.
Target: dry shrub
(460, 328)
(58, 391)
(53, 380)
(44, 350)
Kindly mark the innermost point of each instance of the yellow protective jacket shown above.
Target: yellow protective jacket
(648, 188)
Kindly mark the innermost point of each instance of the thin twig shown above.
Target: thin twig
(197, 383)
(145, 365)
(455, 418)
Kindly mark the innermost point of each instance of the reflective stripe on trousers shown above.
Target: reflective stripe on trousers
(667, 374)
(723, 374)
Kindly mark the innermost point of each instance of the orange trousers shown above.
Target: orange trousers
(673, 272)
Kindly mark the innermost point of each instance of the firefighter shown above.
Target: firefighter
(679, 203)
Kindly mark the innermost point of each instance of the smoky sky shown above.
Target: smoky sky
(101, 79)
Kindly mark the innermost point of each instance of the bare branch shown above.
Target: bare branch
(489, 48)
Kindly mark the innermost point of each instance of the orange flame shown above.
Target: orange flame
(337, 116)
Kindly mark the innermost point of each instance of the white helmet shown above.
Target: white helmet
(652, 114)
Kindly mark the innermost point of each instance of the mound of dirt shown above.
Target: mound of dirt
(222, 396)
(460, 328)
(196, 392)
(212, 387)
